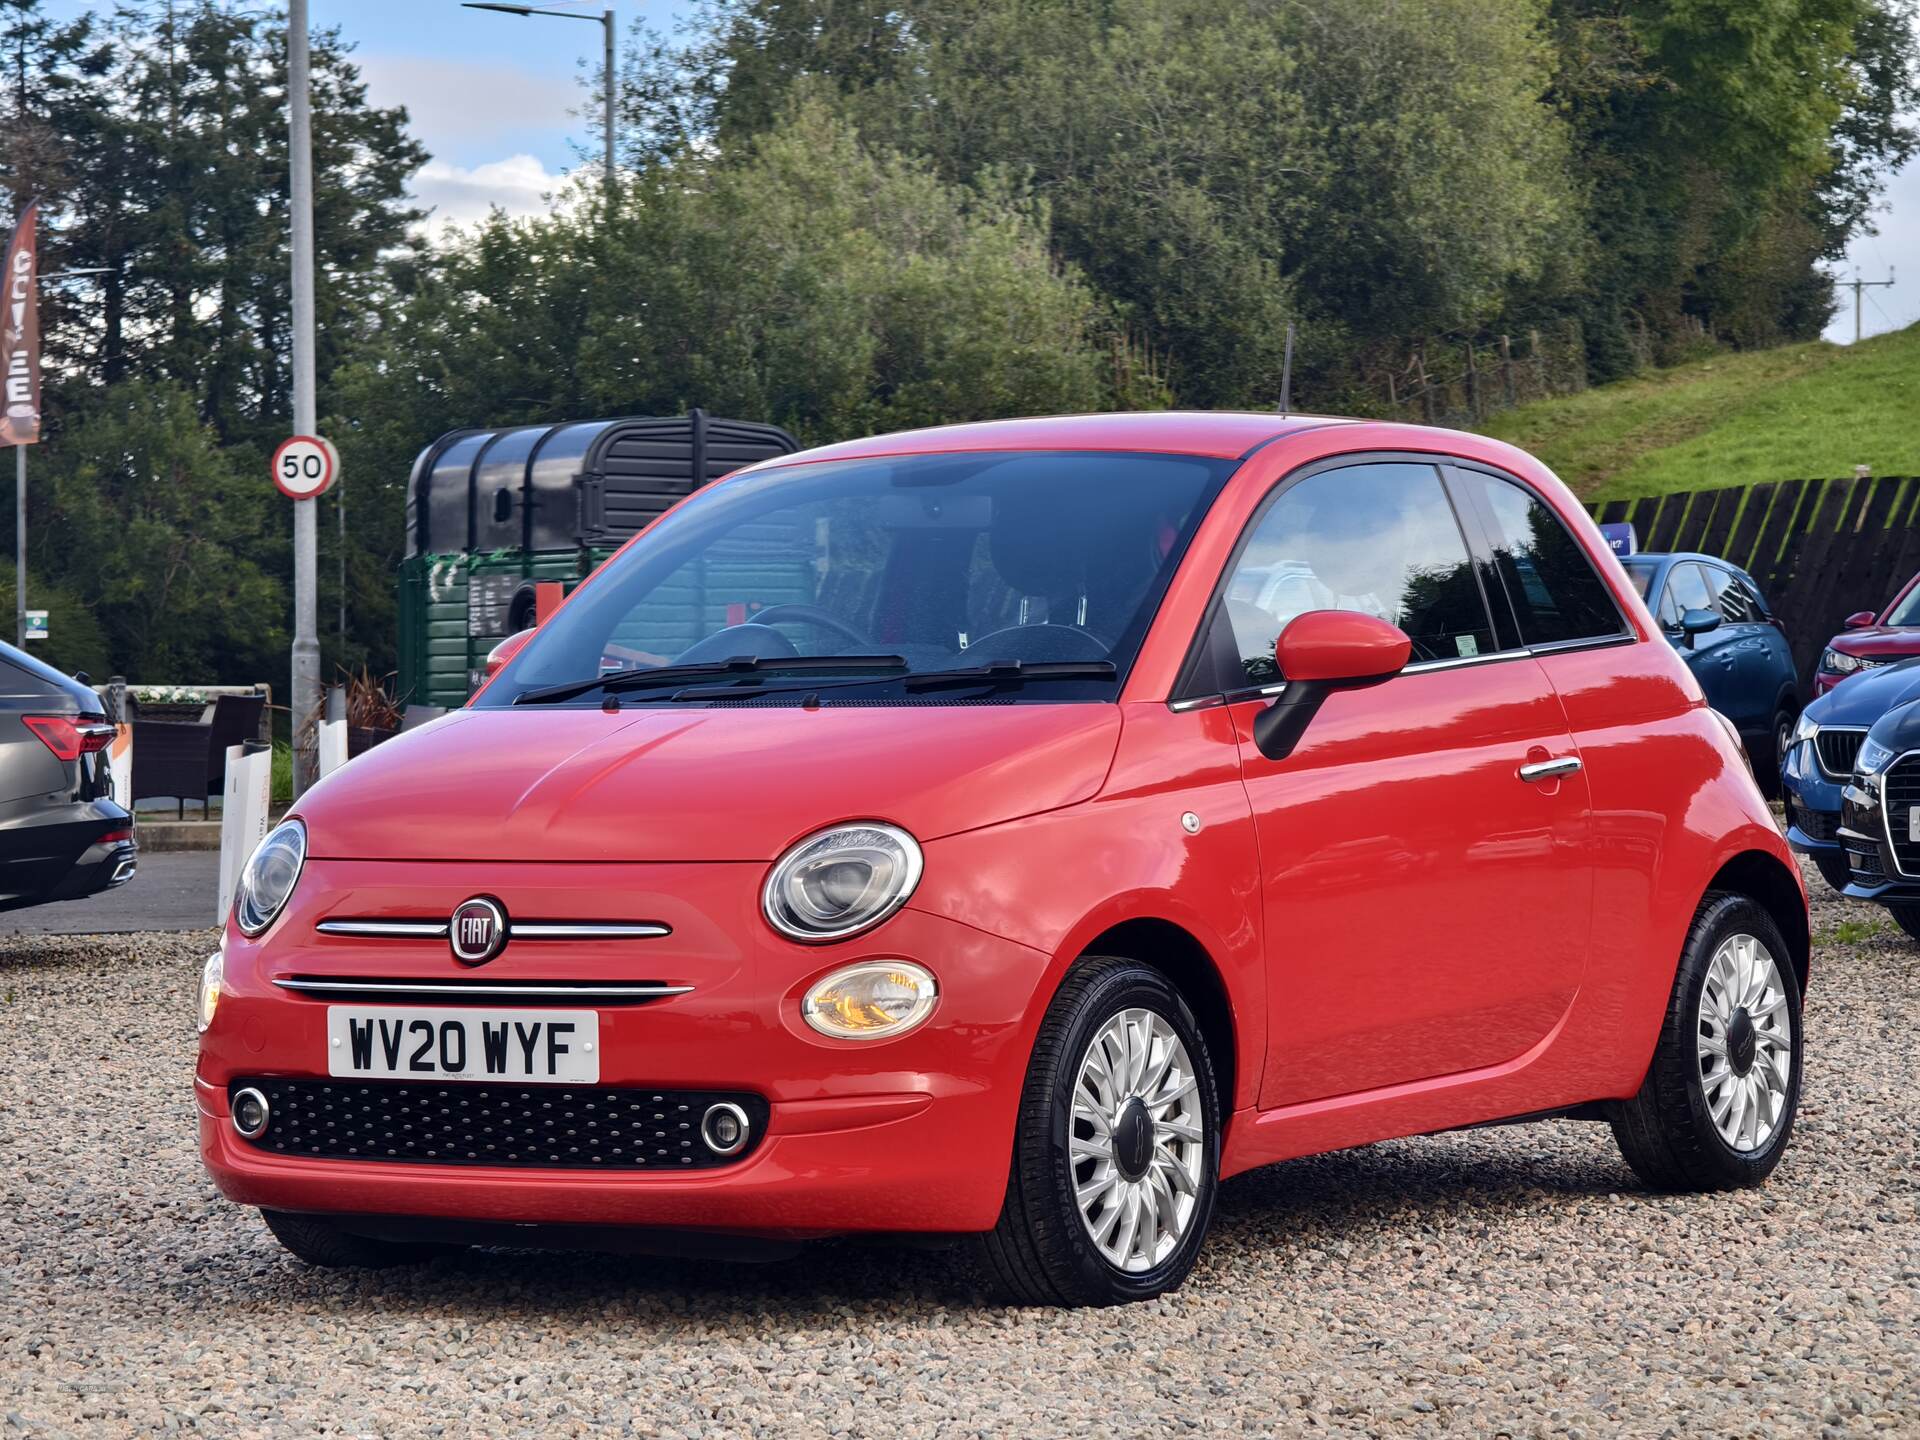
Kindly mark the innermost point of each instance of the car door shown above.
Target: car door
(1425, 892)
(1712, 656)
(1756, 648)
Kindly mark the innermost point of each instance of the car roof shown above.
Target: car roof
(1218, 434)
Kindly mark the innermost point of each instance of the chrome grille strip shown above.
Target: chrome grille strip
(559, 930)
(386, 929)
(633, 990)
(516, 929)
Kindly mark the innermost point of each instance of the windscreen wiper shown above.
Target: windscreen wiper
(617, 681)
(998, 672)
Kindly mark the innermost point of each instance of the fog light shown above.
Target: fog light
(250, 1113)
(725, 1128)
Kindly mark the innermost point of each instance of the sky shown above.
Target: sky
(493, 96)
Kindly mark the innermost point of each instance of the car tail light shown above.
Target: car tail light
(115, 837)
(66, 737)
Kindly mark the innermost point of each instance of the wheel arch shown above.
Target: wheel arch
(1763, 879)
(1177, 953)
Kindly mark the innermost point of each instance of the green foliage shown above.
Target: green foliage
(1798, 411)
(147, 520)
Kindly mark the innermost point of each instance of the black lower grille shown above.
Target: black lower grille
(1838, 749)
(1815, 824)
(1865, 864)
(1899, 795)
(529, 1126)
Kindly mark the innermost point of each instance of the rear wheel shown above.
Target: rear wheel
(1717, 1106)
(1907, 917)
(1116, 1156)
(319, 1241)
(1833, 868)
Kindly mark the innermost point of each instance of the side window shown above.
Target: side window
(1556, 593)
(1688, 589)
(1730, 597)
(1381, 539)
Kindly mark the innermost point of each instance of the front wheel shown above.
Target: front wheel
(1116, 1154)
(1833, 868)
(1718, 1102)
(1907, 917)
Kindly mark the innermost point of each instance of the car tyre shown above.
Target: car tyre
(1118, 1048)
(320, 1242)
(1732, 1025)
(1833, 868)
(1767, 768)
(1907, 917)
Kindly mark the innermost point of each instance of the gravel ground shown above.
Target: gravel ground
(1508, 1281)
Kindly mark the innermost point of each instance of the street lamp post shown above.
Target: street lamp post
(605, 19)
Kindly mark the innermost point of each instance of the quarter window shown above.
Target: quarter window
(1556, 593)
(1381, 539)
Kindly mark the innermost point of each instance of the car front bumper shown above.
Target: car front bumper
(1813, 801)
(1879, 870)
(909, 1134)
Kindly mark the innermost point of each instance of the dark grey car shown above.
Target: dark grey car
(62, 836)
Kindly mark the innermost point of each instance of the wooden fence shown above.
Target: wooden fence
(1820, 549)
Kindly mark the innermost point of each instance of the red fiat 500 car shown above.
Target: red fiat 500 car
(1009, 831)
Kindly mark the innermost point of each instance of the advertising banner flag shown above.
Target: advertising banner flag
(20, 334)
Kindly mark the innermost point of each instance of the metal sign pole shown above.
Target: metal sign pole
(20, 546)
(306, 632)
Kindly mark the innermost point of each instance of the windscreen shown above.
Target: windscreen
(941, 560)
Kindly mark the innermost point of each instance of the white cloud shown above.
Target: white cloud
(460, 195)
(456, 105)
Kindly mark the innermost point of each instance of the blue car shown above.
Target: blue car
(1821, 754)
(1730, 638)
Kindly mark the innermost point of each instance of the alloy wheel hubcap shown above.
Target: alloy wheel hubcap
(1745, 1043)
(1135, 1141)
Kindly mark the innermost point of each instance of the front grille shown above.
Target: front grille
(1814, 824)
(1899, 793)
(525, 1126)
(1837, 750)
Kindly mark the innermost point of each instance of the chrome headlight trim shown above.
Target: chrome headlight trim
(795, 912)
(266, 880)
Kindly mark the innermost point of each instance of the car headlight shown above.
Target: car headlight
(211, 975)
(1805, 728)
(871, 1001)
(1838, 662)
(269, 877)
(1873, 757)
(841, 881)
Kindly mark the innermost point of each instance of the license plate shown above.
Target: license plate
(540, 1047)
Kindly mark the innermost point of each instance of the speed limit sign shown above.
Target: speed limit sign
(305, 466)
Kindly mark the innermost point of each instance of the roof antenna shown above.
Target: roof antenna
(1286, 375)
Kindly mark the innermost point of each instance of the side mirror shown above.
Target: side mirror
(1697, 622)
(1320, 652)
(1860, 619)
(498, 657)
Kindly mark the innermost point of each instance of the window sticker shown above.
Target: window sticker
(1467, 644)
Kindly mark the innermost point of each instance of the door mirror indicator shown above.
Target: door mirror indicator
(498, 657)
(1318, 653)
(1697, 622)
(1860, 619)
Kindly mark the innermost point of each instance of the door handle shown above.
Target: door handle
(1550, 769)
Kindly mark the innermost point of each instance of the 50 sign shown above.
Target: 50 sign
(305, 466)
